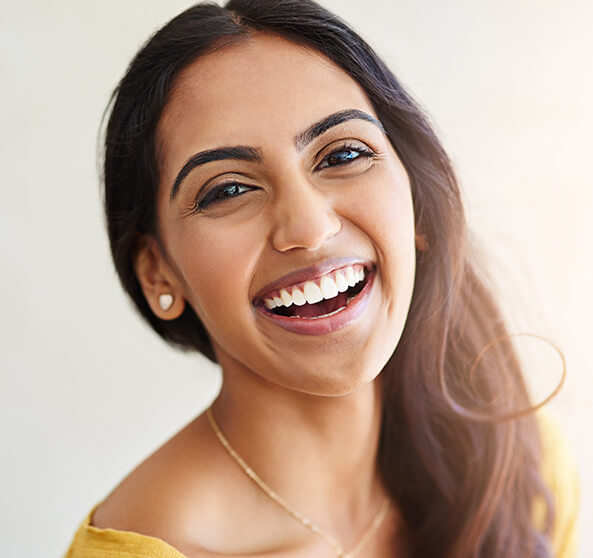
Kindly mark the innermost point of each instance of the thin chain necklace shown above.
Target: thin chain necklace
(313, 527)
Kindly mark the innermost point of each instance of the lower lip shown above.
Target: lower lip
(328, 324)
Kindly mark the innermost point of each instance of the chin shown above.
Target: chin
(340, 381)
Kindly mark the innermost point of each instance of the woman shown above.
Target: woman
(277, 201)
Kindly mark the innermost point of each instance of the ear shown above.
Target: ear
(421, 242)
(158, 282)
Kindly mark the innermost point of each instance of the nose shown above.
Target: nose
(303, 217)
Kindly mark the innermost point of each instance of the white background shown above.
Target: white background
(88, 390)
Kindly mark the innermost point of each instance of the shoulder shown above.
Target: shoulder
(167, 495)
(560, 475)
(184, 498)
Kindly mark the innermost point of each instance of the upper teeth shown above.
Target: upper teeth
(329, 286)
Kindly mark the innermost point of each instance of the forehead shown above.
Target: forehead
(261, 90)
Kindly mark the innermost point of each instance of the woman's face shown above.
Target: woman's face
(286, 216)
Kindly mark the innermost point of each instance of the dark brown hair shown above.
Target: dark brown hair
(464, 479)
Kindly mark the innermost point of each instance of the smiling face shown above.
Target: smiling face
(285, 216)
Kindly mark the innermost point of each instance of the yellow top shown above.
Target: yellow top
(560, 475)
(558, 470)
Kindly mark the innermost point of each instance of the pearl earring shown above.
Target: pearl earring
(165, 301)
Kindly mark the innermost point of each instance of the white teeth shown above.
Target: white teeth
(312, 292)
(350, 277)
(298, 297)
(341, 282)
(328, 287)
(285, 297)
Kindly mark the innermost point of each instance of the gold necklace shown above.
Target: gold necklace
(313, 527)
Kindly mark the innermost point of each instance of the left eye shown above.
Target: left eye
(344, 155)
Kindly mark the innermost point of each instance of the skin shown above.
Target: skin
(302, 410)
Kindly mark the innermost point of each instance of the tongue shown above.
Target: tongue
(320, 308)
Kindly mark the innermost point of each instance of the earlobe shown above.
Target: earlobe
(421, 242)
(158, 282)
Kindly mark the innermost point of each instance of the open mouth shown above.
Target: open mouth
(319, 298)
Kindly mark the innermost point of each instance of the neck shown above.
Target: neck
(318, 453)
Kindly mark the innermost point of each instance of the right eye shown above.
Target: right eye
(220, 193)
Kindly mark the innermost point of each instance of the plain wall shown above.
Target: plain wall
(88, 391)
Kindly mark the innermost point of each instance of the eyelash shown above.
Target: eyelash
(213, 195)
(362, 151)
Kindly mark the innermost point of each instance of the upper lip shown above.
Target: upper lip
(309, 273)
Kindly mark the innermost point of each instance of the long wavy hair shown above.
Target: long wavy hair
(457, 454)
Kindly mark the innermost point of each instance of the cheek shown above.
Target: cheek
(391, 228)
(386, 212)
(216, 264)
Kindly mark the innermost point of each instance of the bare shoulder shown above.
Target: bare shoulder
(192, 496)
(167, 496)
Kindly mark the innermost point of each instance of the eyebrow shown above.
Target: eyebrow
(238, 153)
(245, 153)
(330, 121)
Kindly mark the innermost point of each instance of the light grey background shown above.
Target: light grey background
(88, 390)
